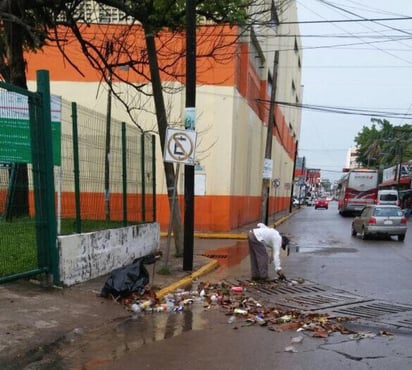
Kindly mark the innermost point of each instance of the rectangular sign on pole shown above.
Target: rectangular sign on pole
(180, 146)
(15, 128)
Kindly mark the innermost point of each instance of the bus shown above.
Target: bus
(356, 189)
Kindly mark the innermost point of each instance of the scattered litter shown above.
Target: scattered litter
(290, 349)
(129, 279)
(232, 319)
(285, 318)
(296, 340)
(362, 335)
(241, 309)
(237, 289)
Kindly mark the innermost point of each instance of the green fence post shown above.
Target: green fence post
(76, 168)
(124, 173)
(143, 179)
(154, 177)
(35, 111)
(46, 171)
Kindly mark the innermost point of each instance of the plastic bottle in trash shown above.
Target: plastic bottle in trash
(170, 304)
(146, 305)
(232, 319)
(260, 320)
(135, 307)
(237, 289)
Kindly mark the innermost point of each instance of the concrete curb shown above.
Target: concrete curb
(212, 265)
(209, 267)
(229, 235)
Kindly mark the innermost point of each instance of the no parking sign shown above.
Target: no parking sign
(180, 146)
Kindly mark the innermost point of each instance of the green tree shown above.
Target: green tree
(24, 25)
(383, 144)
(154, 16)
(33, 21)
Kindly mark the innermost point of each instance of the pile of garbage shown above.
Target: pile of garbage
(240, 308)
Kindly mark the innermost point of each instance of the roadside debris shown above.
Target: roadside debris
(241, 309)
(128, 279)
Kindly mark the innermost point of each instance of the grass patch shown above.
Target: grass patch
(18, 252)
(68, 226)
(18, 246)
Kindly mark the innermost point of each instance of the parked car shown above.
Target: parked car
(309, 201)
(388, 197)
(380, 220)
(321, 203)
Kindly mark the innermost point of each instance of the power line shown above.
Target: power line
(350, 20)
(343, 110)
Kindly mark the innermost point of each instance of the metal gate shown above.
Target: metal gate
(27, 205)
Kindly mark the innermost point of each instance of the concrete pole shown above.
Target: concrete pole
(264, 212)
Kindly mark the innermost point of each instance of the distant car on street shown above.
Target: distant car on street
(321, 203)
(309, 201)
(380, 220)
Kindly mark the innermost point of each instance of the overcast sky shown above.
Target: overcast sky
(352, 65)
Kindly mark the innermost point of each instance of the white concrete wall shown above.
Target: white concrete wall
(90, 255)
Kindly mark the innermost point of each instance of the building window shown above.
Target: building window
(90, 11)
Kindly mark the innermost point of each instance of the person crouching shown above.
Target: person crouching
(259, 239)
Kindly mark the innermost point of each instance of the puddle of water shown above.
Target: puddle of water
(104, 345)
(326, 249)
(229, 256)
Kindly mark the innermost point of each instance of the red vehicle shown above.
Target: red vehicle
(321, 203)
(357, 189)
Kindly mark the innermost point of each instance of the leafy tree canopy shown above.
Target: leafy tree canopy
(171, 14)
(383, 144)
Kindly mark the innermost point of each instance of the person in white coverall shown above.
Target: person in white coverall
(259, 239)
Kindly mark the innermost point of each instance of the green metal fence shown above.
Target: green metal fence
(27, 243)
(103, 182)
(95, 173)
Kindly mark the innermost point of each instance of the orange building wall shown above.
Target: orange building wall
(212, 213)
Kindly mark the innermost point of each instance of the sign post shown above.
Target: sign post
(190, 119)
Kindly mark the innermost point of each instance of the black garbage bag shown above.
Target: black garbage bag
(128, 279)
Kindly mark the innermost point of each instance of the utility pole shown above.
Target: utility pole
(108, 53)
(292, 188)
(107, 150)
(190, 125)
(266, 177)
(399, 172)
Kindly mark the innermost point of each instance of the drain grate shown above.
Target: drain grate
(314, 302)
(399, 315)
(297, 289)
(403, 320)
(372, 309)
(307, 296)
(311, 297)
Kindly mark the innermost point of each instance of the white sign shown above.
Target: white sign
(275, 183)
(180, 146)
(267, 169)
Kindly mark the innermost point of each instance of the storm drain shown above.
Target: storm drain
(307, 296)
(399, 315)
(372, 309)
(313, 297)
(403, 320)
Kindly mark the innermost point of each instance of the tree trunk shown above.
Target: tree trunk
(18, 199)
(162, 126)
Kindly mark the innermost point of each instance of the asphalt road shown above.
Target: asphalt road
(378, 271)
(375, 273)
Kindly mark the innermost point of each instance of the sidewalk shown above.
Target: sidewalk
(33, 317)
